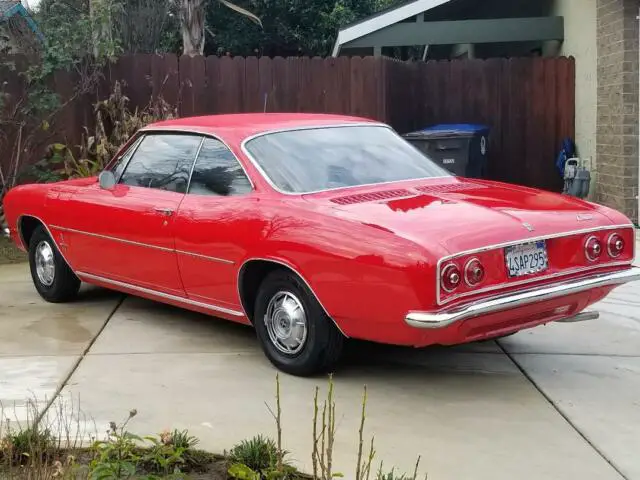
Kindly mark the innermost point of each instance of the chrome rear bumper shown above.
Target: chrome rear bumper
(444, 319)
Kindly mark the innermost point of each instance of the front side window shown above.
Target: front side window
(217, 172)
(162, 161)
(121, 162)
(302, 161)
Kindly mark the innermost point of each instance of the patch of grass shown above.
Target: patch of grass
(259, 453)
(9, 253)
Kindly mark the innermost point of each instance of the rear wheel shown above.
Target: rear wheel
(296, 334)
(52, 277)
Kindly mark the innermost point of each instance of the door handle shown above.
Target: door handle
(167, 212)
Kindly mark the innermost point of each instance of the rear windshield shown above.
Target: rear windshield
(304, 161)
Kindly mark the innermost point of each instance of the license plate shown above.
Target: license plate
(526, 259)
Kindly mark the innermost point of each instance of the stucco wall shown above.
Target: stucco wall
(580, 23)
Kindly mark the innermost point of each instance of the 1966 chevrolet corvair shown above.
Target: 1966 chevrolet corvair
(316, 228)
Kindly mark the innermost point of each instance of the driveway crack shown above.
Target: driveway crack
(76, 364)
(561, 413)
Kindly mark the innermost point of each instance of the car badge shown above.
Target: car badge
(528, 226)
(583, 217)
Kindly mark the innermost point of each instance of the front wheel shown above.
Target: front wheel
(296, 334)
(52, 277)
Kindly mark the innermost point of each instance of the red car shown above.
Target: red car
(317, 228)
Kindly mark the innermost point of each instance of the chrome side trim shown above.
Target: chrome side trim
(255, 163)
(284, 264)
(531, 280)
(139, 244)
(115, 239)
(46, 227)
(436, 320)
(206, 257)
(161, 295)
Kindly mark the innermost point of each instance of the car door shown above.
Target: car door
(214, 226)
(126, 233)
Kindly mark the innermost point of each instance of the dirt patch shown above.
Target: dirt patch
(9, 253)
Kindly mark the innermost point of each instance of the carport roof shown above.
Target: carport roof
(384, 19)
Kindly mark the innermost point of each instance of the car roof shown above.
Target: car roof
(249, 124)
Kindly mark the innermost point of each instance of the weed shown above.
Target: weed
(115, 457)
(258, 453)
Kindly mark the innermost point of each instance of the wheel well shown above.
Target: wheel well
(251, 276)
(28, 225)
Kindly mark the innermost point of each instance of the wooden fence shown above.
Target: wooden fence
(528, 103)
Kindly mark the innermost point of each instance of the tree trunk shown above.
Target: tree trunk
(192, 14)
(100, 14)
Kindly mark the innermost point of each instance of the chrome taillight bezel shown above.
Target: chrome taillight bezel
(609, 241)
(587, 252)
(443, 275)
(466, 272)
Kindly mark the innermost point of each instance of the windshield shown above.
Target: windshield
(304, 161)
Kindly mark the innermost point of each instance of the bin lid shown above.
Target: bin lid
(450, 130)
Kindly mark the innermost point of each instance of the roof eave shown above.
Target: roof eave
(378, 22)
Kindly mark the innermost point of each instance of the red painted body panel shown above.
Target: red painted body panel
(370, 254)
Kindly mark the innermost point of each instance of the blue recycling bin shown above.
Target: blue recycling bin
(460, 148)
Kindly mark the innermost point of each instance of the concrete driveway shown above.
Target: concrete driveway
(556, 402)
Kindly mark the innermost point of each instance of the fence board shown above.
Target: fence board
(528, 103)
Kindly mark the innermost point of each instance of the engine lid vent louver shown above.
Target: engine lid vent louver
(372, 197)
(450, 188)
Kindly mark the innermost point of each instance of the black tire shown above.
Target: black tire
(322, 348)
(65, 284)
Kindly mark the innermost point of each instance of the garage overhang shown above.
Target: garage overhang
(395, 28)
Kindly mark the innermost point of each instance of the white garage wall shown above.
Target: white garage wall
(580, 23)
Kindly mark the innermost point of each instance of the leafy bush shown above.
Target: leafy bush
(115, 123)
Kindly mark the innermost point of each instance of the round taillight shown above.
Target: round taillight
(473, 272)
(593, 249)
(451, 277)
(615, 245)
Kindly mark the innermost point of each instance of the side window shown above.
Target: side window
(162, 161)
(118, 168)
(217, 172)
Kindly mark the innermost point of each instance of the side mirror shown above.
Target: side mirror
(107, 179)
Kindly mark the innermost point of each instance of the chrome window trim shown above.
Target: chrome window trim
(204, 133)
(530, 280)
(294, 270)
(255, 163)
(166, 296)
(133, 148)
(193, 164)
(145, 134)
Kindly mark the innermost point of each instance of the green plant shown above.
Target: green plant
(114, 125)
(393, 476)
(116, 457)
(258, 453)
(28, 445)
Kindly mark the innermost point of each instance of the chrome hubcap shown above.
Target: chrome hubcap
(45, 264)
(286, 323)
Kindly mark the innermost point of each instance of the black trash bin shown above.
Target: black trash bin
(460, 148)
